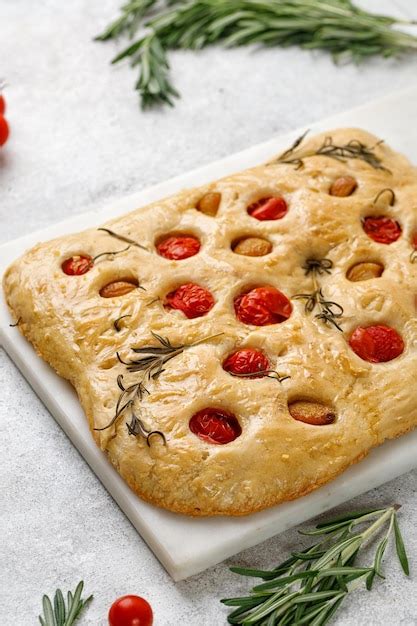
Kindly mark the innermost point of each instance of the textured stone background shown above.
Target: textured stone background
(78, 137)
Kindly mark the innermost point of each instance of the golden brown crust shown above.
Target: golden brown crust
(276, 458)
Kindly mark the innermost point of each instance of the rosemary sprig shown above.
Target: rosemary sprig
(60, 613)
(155, 357)
(151, 364)
(126, 398)
(330, 312)
(123, 238)
(353, 149)
(126, 402)
(310, 585)
(338, 26)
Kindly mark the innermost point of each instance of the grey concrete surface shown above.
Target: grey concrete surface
(78, 137)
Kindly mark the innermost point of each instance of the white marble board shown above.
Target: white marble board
(184, 545)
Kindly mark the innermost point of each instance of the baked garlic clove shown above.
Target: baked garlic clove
(364, 271)
(209, 203)
(343, 186)
(252, 246)
(313, 413)
(118, 288)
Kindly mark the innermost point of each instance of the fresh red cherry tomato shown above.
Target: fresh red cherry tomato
(246, 361)
(262, 306)
(130, 611)
(4, 131)
(215, 426)
(191, 299)
(180, 247)
(382, 229)
(77, 265)
(268, 208)
(2, 104)
(376, 344)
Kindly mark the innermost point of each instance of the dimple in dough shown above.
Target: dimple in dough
(276, 458)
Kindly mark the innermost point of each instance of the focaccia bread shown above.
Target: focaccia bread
(239, 345)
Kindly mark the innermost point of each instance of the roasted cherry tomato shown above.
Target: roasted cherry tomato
(4, 131)
(2, 104)
(180, 247)
(246, 361)
(130, 611)
(215, 426)
(77, 265)
(414, 241)
(376, 344)
(191, 299)
(382, 229)
(268, 208)
(262, 306)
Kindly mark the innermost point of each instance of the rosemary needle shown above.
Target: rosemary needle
(338, 26)
(61, 613)
(309, 586)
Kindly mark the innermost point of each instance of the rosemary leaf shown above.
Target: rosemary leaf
(325, 529)
(59, 607)
(278, 582)
(131, 15)
(116, 323)
(254, 573)
(122, 238)
(60, 614)
(310, 592)
(337, 26)
(399, 545)
(48, 612)
(347, 517)
(308, 557)
(379, 554)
